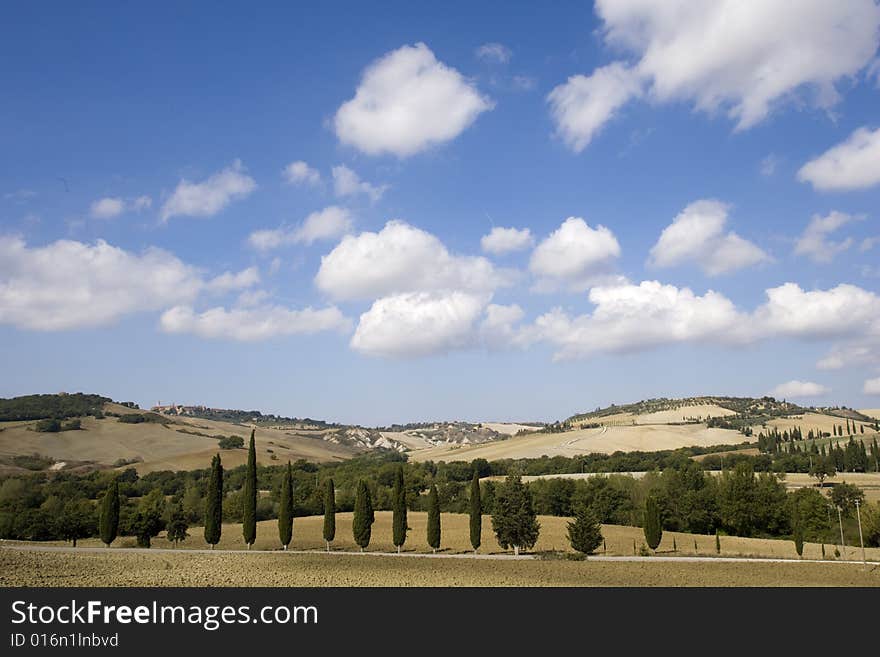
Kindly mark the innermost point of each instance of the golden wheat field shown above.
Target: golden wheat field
(456, 539)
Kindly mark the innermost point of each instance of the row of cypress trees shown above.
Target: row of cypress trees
(515, 525)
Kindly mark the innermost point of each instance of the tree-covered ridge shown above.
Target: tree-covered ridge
(751, 406)
(236, 416)
(59, 406)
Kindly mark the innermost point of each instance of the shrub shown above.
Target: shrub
(48, 426)
(231, 442)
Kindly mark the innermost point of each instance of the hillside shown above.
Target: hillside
(116, 435)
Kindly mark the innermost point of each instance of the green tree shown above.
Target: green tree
(285, 508)
(653, 526)
(585, 533)
(822, 468)
(738, 507)
(717, 543)
(249, 492)
(77, 520)
(177, 525)
(329, 513)
(108, 525)
(214, 503)
(845, 496)
(147, 519)
(433, 518)
(476, 512)
(362, 523)
(513, 519)
(399, 522)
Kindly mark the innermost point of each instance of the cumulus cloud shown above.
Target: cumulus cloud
(741, 58)
(500, 327)
(299, 172)
(400, 258)
(207, 198)
(110, 207)
(872, 386)
(494, 52)
(697, 235)
(418, 324)
(347, 183)
(229, 281)
(251, 324)
(326, 224)
(69, 284)
(406, 102)
(583, 104)
(629, 317)
(794, 389)
(840, 311)
(504, 240)
(635, 317)
(814, 242)
(852, 164)
(574, 254)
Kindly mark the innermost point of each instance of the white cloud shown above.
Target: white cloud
(794, 389)
(418, 324)
(852, 164)
(868, 243)
(631, 317)
(504, 240)
(300, 172)
(400, 258)
(408, 101)
(575, 254)
(872, 386)
(742, 58)
(250, 324)
(347, 183)
(697, 235)
(494, 52)
(634, 317)
(768, 165)
(207, 198)
(582, 105)
(228, 281)
(68, 284)
(251, 298)
(107, 208)
(814, 242)
(499, 329)
(837, 312)
(141, 203)
(112, 206)
(326, 224)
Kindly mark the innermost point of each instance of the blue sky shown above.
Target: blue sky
(291, 209)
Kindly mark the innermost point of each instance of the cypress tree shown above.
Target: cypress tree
(585, 533)
(798, 532)
(285, 509)
(674, 546)
(476, 513)
(398, 522)
(362, 524)
(214, 503)
(329, 513)
(653, 528)
(109, 519)
(717, 542)
(433, 518)
(249, 495)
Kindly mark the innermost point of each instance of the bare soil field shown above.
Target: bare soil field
(455, 538)
(121, 568)
(163, 447)
(682, 414)
(870, 412)
(603, 440)
(509, 428)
